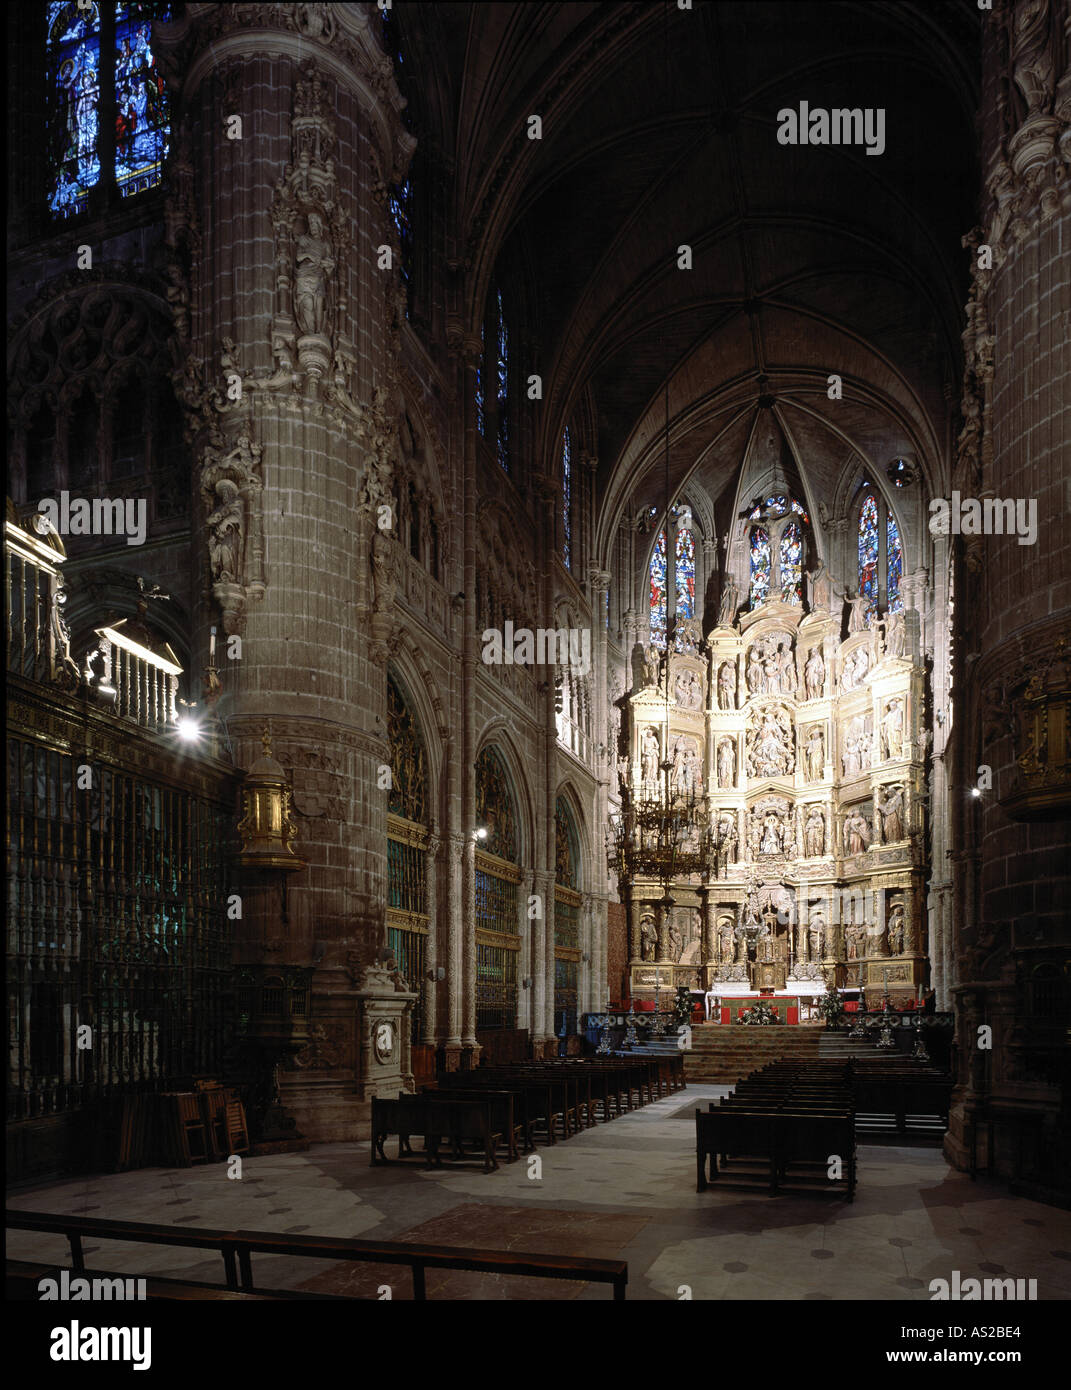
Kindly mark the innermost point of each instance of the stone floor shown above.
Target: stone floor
(621, 1190)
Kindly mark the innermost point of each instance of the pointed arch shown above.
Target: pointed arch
(496, 806)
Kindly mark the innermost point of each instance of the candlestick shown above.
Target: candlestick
(212, 645)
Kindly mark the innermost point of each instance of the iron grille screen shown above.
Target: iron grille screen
(496, 986)
(407, 882)
(566, 987)
(409, 952)
(117, 918)
(496, 903)
(566, 922)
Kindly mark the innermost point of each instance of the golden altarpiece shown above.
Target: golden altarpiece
(802, 755)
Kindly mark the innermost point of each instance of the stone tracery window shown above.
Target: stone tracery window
(481, 400)
(791, 564)
(567, 498)
(682, 578)
(502, 381)
(400, 208)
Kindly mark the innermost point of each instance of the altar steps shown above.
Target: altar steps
(838, 1047)
(723, 1054)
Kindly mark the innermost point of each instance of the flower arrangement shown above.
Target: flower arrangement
(831, 1007)
(682, 1005)
(759, 1013)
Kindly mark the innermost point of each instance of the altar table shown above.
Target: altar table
(786, 1006)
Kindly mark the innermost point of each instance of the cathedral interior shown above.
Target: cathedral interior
(527, 523)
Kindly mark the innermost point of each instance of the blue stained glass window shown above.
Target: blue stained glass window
(868, 554)
(658, 592)
(895, 567)
(74, 76)
(791, 564)
(567, 498)
(503, 386)
(760, 565)
(685, 567)
(142, 105)
(400, 205)
(481, 404)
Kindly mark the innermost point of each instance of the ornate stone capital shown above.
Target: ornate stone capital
(211, 38)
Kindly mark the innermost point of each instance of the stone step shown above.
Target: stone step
(723, 1054)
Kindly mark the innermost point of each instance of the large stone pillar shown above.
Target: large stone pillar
(1013, 611)
(288, 122)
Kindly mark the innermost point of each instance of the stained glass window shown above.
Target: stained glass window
(502, 380)
(400, 207)
(791, 564)
(685, 573)
(74, 77)
(567, 498)
(481, 403)
(141, 101)
(495, 811)
(760, 565)
(868, 554)
(658, 591)
(894, 566)
(136, 104)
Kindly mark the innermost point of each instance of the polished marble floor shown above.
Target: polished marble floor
(622, 1190)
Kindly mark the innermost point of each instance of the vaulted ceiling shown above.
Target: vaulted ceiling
(659, 129)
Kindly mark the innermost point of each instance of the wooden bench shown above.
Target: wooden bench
(508, 1112)
(780, 1139)
(457, 1121)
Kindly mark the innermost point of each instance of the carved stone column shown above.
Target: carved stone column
(1011, 607)
(709, 949)
(429, 987)
(542, 967)
(269, 295)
